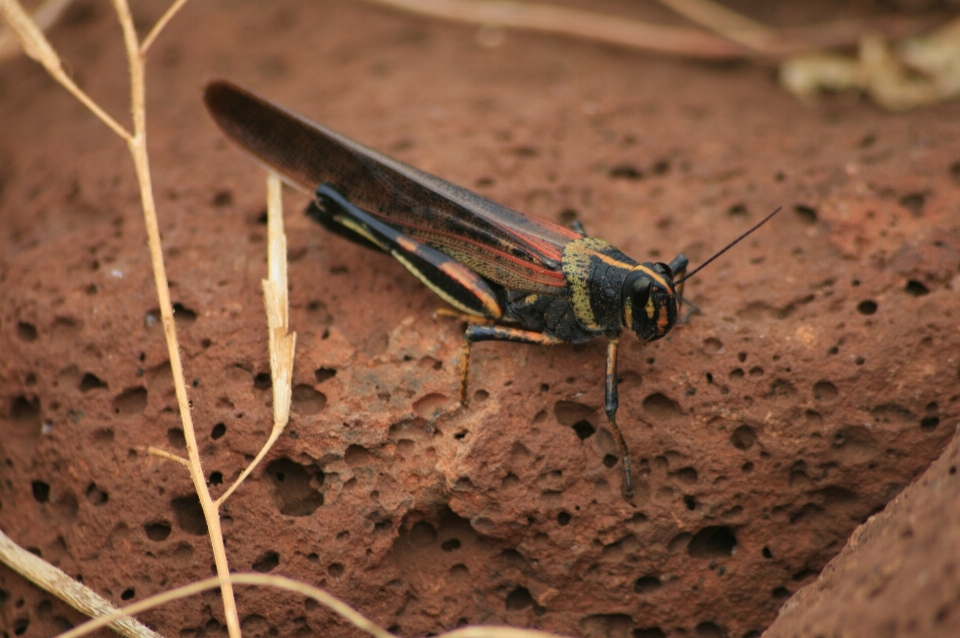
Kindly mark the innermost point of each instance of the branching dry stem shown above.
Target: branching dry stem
(36, 46)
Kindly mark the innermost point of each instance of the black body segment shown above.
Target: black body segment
(530, 281)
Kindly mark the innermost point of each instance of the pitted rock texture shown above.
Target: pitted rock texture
(818, 380)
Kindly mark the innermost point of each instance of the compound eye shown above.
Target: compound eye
(664, 270)
(640, 292)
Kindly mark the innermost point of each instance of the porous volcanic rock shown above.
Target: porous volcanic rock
(819, 378)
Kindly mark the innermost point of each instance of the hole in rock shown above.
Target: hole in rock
(646, 584)
(157, 531)
(91, 382)
(216, 478)
(323, 374)
(743, 438)
(824, 391)
(649, 632)
(609, 460)
(218, 431)
(295, 487)
(26, 331)
(450, 545)
(96, 496)
(563, 518)
(661, 406)
(189, 515)
(128, 593)
(913, 202)
(335, 570)
(569, 413)
(708, 629)
(929, 423)
(782, 388)
(41, 491)
(131, 401)
(266, 562)
(26, 411)
(176, 438)
(262, 381)
(306, 400)
(222, 198)
(182, 314)
(711, 542)
(625, 171)
(806, 214)
(519, 598)
(916, 288)
(583, 429)
(867, 307)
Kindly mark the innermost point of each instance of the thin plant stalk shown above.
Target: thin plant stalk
(82, 598)
(281, 342)
(138, 149)
(280, 582)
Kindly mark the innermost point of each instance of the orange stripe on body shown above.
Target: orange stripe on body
(474, 283)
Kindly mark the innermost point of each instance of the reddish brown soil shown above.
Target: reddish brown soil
(820, 379)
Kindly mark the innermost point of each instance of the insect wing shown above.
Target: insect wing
(505, 246)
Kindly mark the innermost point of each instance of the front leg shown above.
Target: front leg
(475, 333)
(610, 405)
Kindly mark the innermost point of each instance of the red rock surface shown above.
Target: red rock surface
(820, 379)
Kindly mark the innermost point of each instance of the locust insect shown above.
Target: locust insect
(520, 279)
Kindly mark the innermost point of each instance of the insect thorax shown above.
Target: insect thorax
(595, 271)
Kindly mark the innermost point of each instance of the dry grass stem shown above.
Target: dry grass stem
(44, 17)
(36, 45)
(138, 149)
(280, 582)
(83, 599)
(163, 454)
(743, 37)
(282, 343)
(159, 26)
(728, 23)
(574, 22)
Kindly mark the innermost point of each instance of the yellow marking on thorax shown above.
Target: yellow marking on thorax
(576, 270)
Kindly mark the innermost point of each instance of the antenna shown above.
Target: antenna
(729, 246)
